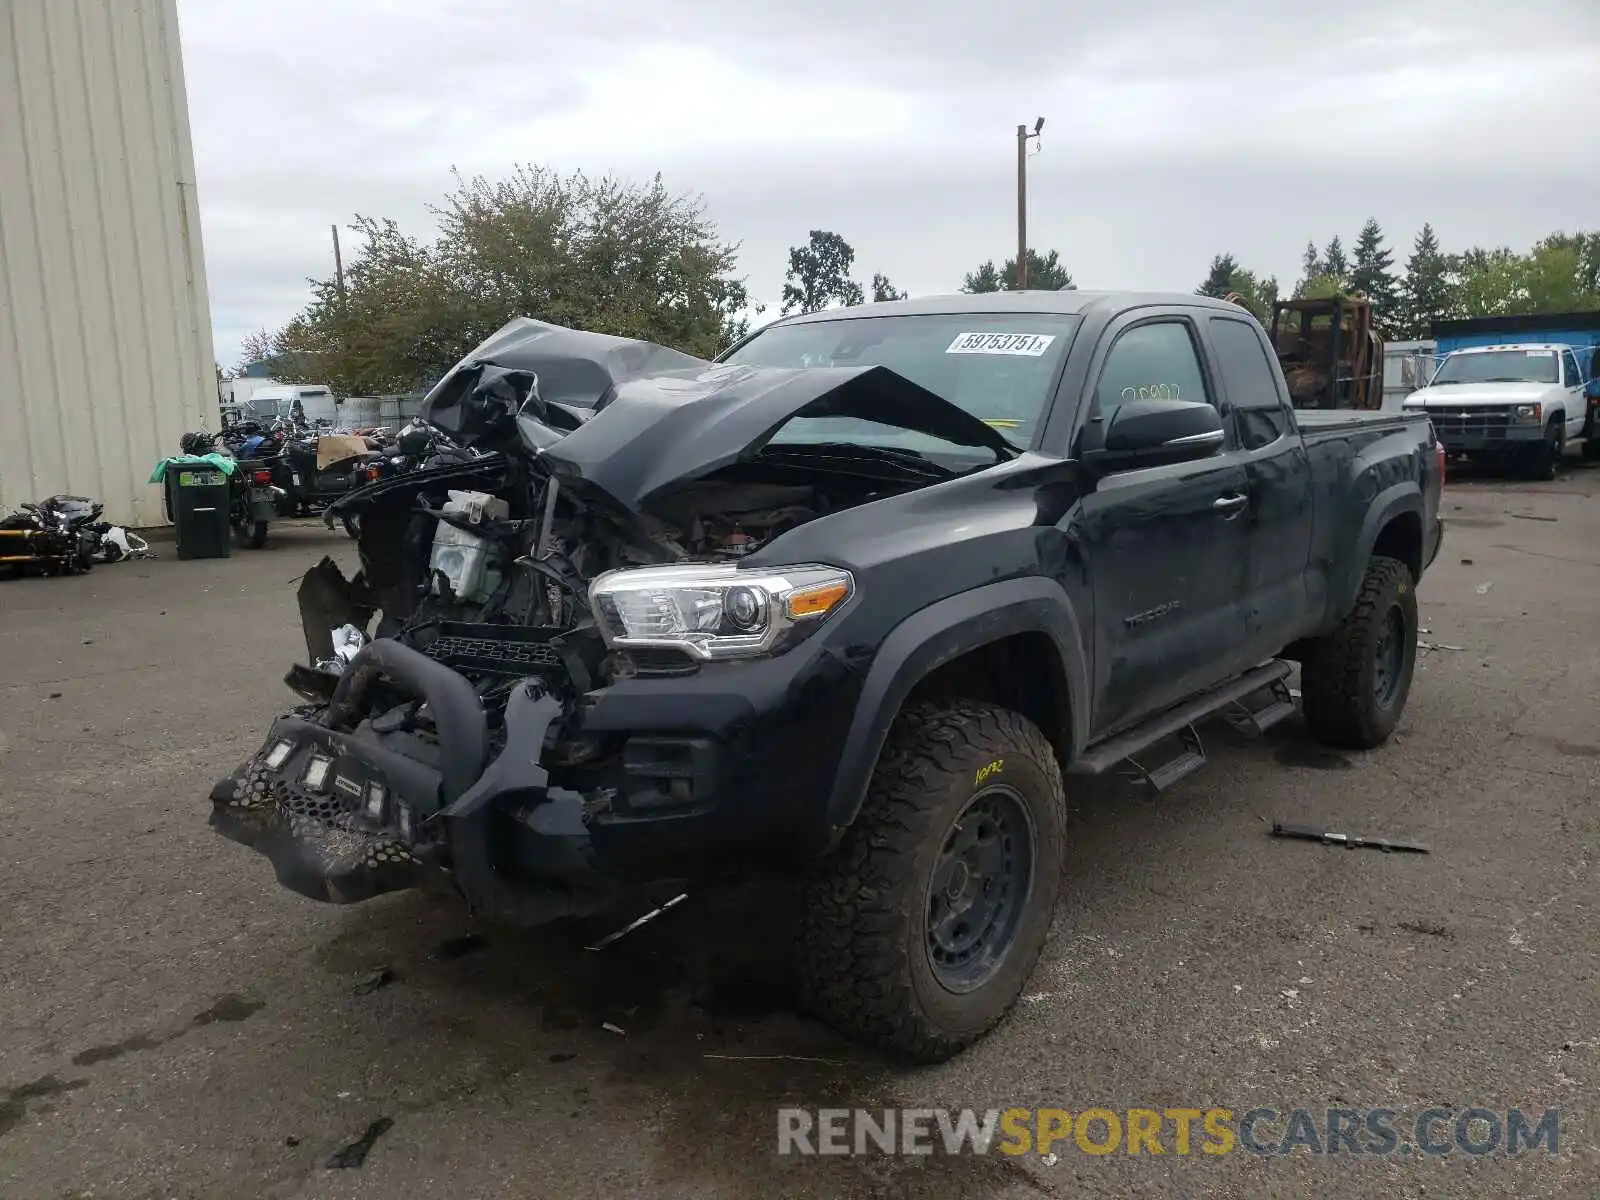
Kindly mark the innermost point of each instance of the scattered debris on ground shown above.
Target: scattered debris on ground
(1315, 833)
(370, 983)
(348, 1158)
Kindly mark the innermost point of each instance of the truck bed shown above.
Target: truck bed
(1311, 420)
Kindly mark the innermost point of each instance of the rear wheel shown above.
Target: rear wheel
(251, 534)
(923, 926)
(1591, 436)
(1354, 682)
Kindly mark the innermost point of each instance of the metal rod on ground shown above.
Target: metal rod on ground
(627, 929)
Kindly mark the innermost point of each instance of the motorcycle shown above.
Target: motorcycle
(311, 488)
(254, 499)
(418, 446)
(58, 536)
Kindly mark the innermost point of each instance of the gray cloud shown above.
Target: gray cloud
(1173, 131)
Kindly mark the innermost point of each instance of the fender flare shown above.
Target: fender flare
(1392, 502)
(937, 634)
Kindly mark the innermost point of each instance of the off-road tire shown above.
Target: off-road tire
(866, 967)
(1339, 671)
(252, 535)
(1546, 462)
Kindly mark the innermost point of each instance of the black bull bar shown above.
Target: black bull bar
(343, 817)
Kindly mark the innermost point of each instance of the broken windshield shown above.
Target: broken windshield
(999, 367)
(1499, 366)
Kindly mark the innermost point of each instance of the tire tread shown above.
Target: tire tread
(856, 967)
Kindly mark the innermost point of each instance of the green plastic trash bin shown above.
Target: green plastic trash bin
(197, 505)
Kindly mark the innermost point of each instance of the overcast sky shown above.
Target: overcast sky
(1174, 130)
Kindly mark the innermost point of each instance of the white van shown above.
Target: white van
(304, 404)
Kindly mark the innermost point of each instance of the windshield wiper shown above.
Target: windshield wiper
(910, 460)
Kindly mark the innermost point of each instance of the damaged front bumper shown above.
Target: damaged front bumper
(344, 816)
(701, 770)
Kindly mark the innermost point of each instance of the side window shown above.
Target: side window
(1151, 362)
(1570, 364)
(1248, 377)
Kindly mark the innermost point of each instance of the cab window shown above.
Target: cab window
(1157, 361)
(1250, 379)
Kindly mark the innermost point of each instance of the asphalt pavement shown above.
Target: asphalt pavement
(174, 1024)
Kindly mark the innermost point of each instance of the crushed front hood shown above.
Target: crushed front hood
(631, 417)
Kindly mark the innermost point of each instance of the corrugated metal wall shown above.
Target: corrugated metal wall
(105, 330)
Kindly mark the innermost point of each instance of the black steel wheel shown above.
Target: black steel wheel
(923, 926)
(1355, 681)
(980, 888)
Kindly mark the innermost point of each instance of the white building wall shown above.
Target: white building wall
(105, 335)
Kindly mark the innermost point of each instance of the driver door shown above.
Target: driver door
(1166, 547)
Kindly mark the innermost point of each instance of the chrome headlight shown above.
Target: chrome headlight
(1529, 412)
(714, 610)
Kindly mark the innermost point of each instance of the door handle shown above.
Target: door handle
(1229, 504)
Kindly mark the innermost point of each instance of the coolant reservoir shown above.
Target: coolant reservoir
(469, 562)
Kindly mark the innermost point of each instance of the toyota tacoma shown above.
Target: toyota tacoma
(857, 601)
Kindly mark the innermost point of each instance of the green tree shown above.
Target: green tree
(1427, 293)
(1585, 249)
(1554, 276)
(597, 254)
(1334, 264)
(1256, 293)
(1046, 272)
(1219, 280)
(819, 274)
(1563, 273)
(882, 290)
(1372, 275)
(1227, 278)
(986, 278)
(1493, 282)
(1311, 263)
(1323, 287)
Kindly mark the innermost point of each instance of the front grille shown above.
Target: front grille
(1471, 422)
(495, 649)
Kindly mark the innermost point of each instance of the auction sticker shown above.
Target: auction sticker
(1029, 345)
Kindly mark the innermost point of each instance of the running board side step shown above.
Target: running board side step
(1099, 759)
(1279, 707)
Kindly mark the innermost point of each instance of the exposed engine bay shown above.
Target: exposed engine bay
(506, 591)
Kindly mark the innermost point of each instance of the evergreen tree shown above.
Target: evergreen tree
(1373, 277)
(1427, 292)
(1219, 279)
(1311, 265)
(1334, 265)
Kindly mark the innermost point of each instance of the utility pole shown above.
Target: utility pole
(1022, 199)
(338, 263)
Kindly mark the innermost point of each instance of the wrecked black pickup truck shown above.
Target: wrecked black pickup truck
(850, 601)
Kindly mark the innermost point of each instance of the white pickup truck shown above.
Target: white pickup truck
(1522, 401)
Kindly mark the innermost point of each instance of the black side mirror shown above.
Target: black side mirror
(1594, 364)
(1150, 433)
